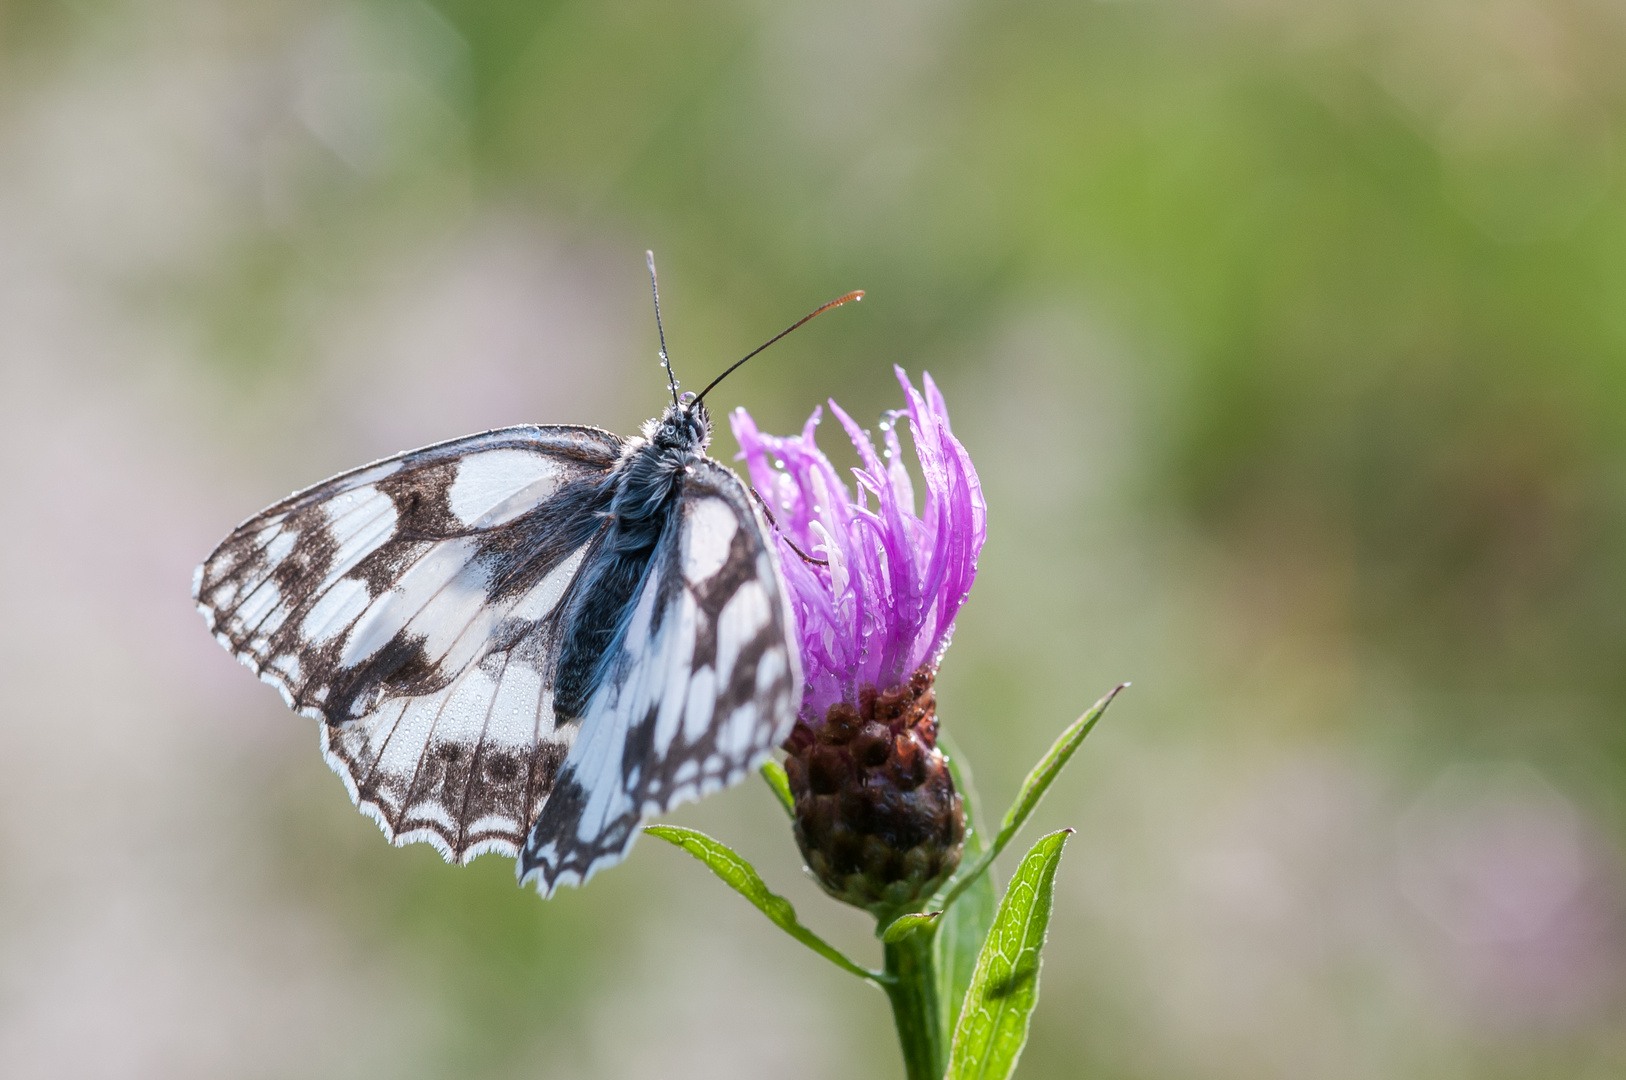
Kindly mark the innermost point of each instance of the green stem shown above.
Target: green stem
(913, 991)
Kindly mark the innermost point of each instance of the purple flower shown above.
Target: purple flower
(883, 605)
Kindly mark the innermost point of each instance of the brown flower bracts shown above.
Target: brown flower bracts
(877, 816)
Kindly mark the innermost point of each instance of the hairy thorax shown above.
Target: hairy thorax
(651, 473)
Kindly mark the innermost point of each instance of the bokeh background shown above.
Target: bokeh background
(1290, 340)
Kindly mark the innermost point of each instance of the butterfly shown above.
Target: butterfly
(524, 641)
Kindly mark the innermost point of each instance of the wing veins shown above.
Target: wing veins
(536, 740)
(448, 583)
(551, 617)
(372, 768)
(243, 598)
(282, 526)
(428, 739)
(247, 631)
(479, 748)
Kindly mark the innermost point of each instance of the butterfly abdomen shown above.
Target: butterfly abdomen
(646, 487)
(594, 622)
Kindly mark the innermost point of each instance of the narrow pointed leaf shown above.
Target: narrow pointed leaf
(904, 925)
(774, 773)
(1033, 789)
(964, 926)
(742, 877)
(993, 1025)
(1049, 767)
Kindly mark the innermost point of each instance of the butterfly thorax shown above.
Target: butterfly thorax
(651, 473)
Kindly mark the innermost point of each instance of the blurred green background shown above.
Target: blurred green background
(1289, 339)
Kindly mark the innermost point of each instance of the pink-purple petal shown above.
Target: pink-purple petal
(886, 601)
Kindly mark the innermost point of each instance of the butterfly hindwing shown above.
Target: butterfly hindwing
(411, 605)
(702, 684)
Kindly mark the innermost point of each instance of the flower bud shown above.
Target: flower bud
(877, 816)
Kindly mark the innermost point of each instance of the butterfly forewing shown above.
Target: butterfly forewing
(410, 605)
(702, 686)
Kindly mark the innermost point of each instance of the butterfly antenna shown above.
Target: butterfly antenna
(856, 294)
(666, 362)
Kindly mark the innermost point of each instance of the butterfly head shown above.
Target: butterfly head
(683, 425)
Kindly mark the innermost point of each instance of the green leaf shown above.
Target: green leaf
(998, 1007)
(964, 925)
(774, 773)
(1049, 767)
(1033, 788)
(742, 877)
(960, 934)
(904, 925)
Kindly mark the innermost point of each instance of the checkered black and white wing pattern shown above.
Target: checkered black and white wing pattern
(705, 685)
(412, 607)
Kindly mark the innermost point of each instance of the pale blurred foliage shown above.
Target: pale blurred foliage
(1288, 340)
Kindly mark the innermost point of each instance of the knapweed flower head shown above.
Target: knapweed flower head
(875, 588)
(884, 605)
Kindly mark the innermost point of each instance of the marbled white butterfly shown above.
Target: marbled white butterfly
(523, 641)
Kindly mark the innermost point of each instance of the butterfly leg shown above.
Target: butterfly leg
(805, 556)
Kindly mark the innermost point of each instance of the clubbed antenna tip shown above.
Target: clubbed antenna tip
(856, 294)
